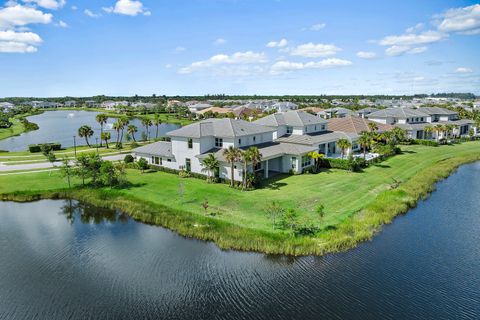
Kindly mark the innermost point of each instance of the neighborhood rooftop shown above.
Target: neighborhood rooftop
(290, 118)
(397, 113)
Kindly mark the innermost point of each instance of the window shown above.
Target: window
(254, 139)
(157, 160)
(323, 127)
(305, 161)
(408, 120)
(218, 142)
(289, 130)
(306, 129)
(188, 165)
(169, 160)
(161, 161)
(190, 143)
(239, 142)
(294, 163)
(315, 128)
(153, 160)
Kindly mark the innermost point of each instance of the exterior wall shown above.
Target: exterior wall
(182, 152)
(225, 171)
(172, 164)
(252, 140)
(379, 120)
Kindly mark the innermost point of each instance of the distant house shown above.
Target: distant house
(363, 113)
(146, 105)
(43, 104)
(6, 106)
(113, 105)
(213, 110)
(282, 106)
(337, 112)
(70, 103)
(90, 103)
(355, 125)
(195, 108)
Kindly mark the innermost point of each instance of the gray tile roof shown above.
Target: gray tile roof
(161, 148)
(268, 150)
(223, 128)
(290, 118)
(400, 112)
(436, 111)
(318, 138)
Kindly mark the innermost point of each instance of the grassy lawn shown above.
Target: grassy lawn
(356, 203)
(14, 130)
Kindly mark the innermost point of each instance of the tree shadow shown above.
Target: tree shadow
(408, 151)
(385, 166)
(274, 183)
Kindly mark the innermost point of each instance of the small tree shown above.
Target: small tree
(131, 130)
(274, 210)
(66, 170)
(85, 132)
(205, 205)
(105, 136)
(343, 144)
(317, 157)
(320, 211)
(142, 164)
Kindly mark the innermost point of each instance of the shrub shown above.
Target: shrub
(128, 158)
(134, 145)
(430, 143)
(184, 174)
(34, 148)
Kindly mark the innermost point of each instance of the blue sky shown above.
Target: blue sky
(195, 47)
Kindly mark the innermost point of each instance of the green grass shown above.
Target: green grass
(356, 204)
(15, 130)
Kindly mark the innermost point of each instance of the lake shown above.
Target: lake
(68, 260)
(60, 126)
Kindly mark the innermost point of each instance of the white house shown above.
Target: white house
(6, 106)
(283, 139)
(194, 108)
(112, 105)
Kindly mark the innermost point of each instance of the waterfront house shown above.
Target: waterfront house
(6, 106)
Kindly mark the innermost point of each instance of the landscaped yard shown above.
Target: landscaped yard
(14, 130)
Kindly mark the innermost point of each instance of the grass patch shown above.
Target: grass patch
(356, 204)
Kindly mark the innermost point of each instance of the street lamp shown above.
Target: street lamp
(96, 143)
(75, 145)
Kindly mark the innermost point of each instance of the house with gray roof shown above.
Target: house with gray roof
(293, 122)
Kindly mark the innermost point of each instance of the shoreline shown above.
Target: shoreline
(22, 129)
(360, 227)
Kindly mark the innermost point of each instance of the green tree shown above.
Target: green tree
(142, 164)
(232, 155)
(317, 157)
(105, 136)
(251, 155)
(365, 141)
(373, 127)
(274, 210)
(210, 164)
(344, 145)
(102, 120)
(123, 123)
(117, 126)
(157, 121)
(66, 170)
(85, 132)
(147, 123)
(132, 129)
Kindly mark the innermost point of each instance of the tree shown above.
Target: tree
(365, 141)
(439, 128)
(123, 123)
(429, 130)
(105, 136)
(147, 123)
(274, 210)
(81, 165)
(66, 170)
(85, 132)
(343, 144)
(471, 133)
(117, 126)
(372, 126)
(316, 156)
(102, 120)
(132, 129)
(251, 155)
(210, 164)
(157, 121)
(399, 134)
(142, 164)
(232, 155)
(205, 205)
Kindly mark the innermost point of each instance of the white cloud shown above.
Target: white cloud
(399, 50)
(168, 66)
(62, 24)
(464, 20)
(91, 14)
(366, 54)
(23, 37)
(16, 47)
(311, 50)
(318, 26)
(179, 49)
(47, 4)
(410, 39)
(463, 70)
(219, 41)
(238, 58)
(128, 7)
(19, 15)
(415, 28)
(287, 66)
(74, 8)
(277, 44)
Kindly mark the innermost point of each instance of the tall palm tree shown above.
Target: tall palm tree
(439, 128)
(232, 155)
(372, 126)
(157, 121)
(147, 123)
(343, 144)
(429, 130)
(210, 164)
(123, 123)
(85, 132)
(131, 130)
(365, 141)
(105, 136)
(102, 120)
(117, 127)
(251, 155)
(399, 134)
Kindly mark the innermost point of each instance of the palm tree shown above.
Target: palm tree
(101, 119)
(343, 144)
(316, 156)
(399, 134)
(105, 136)
(439, 128)
(123, 123)
(210, 164)
(157, 121)
(365, 141)
(117, 126)
(251, 155)
(131, 130)
(232, 155)
(373, 126)
(147, 123)
(85, 132)
(429, 130)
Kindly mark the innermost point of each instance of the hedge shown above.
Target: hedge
(34, 148)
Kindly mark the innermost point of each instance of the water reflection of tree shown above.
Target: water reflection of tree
(87, 213)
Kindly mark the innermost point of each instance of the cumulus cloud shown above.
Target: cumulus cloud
(16, 47)
(463, 70)
(91, 14)
(287, 66)
(47, 4)
(25, 37)
(277, 44)
(400, 50)
(18, 15)
(318, 26)
(219, 41)
(409, 39)
(62, 24)
(311, 50)
(366, 54)
(128, 8)
(415, 28)
(238, 58)
(464, 20)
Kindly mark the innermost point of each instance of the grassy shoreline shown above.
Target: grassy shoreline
(17, 128)
(350, 230)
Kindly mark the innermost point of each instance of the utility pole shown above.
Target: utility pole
(75, 145)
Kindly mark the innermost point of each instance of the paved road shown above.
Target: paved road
(46, 165)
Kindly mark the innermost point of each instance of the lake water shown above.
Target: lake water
(60, 126)
(66, 260)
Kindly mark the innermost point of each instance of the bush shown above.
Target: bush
(430, 143)
(387, 150)
(128, 158)
(134, 145)
(34, 148)
(184, 174)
